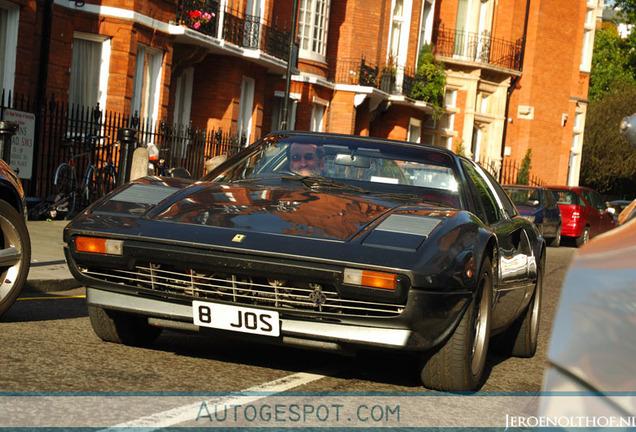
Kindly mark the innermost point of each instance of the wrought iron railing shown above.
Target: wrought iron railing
(358, 71)
(243, 30)
(478, 47)
(187, 146)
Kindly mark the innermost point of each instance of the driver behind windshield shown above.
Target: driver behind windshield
(306, 159)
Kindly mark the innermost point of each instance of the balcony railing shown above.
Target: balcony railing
(478, 47)
(388, 78)
(246, 31)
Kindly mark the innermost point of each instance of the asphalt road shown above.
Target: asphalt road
(48, 345)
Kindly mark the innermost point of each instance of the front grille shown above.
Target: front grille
(230, 288)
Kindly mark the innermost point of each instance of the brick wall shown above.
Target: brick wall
(548, 84)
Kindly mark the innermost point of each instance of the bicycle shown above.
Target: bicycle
(69, 192)
(160, 167)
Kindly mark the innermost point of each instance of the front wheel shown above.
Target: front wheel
(122, 327)
(15, 255)
(460, 363)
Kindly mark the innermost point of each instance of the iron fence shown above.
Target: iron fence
(478, 47)
(358, 71)
(243, 30)
(509, 173)
(62, 129)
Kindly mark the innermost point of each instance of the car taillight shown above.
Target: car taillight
(370, 279)
(99, 245)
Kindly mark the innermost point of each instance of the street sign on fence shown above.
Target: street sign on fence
(22, 142)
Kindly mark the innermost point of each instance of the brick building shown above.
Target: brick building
(221, 64)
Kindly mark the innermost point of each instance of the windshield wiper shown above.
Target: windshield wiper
(324, 182)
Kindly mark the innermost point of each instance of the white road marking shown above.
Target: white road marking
(184, 413)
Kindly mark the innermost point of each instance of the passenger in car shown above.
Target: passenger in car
(306, 159)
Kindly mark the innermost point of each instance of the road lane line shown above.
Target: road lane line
(188, 413)
(53, 297)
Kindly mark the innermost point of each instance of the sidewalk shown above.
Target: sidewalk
(49, 271)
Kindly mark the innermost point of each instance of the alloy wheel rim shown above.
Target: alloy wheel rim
(10, 239)
(479, 335)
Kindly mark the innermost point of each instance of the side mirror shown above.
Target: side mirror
(628, 129)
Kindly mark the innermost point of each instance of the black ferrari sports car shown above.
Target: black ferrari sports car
(321, 241)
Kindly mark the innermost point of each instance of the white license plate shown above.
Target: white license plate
(236, 318)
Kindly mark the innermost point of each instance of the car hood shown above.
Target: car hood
(284, 210)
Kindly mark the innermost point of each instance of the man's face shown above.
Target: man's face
(304, 160)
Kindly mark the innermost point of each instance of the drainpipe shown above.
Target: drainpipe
(513, 84)
(43, 73)
(290, 61)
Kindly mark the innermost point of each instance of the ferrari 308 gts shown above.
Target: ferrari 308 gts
(320, 241)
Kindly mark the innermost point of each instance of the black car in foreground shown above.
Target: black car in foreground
(15, 243)
(320, 241)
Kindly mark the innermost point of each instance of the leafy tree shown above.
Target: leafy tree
(523, 177)
(608, 162)
(430, 81)
(611, 62)
(627, 9)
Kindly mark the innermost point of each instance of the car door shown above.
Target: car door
(552, 219)
(606, 220)
(595, 211)
(516, 263)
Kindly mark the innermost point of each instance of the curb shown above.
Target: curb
(50, 285)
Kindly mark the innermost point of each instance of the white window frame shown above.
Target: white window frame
(246, 108)
(102, 86)
(255, 8)
(309, 33)
(183, 97)
(277, 113)
(474, 16)
(404, 21)
(588, 40)
(426, 24)
(151, 107)
(10, 45)
(450, 98)
(318, 112)
(415, 130)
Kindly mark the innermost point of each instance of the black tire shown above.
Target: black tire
(15, 245)
(520, 340)
(122, 327)
(65, 187)
(556, 241)
(583, 238)
(460, 363)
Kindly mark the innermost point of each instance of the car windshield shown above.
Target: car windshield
(367, 166)
(567, 197)
(524, 196)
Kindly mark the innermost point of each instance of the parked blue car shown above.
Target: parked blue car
(537, 204)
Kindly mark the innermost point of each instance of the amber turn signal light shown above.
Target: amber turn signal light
(99, 245)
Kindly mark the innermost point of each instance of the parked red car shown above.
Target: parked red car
(583, 212)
